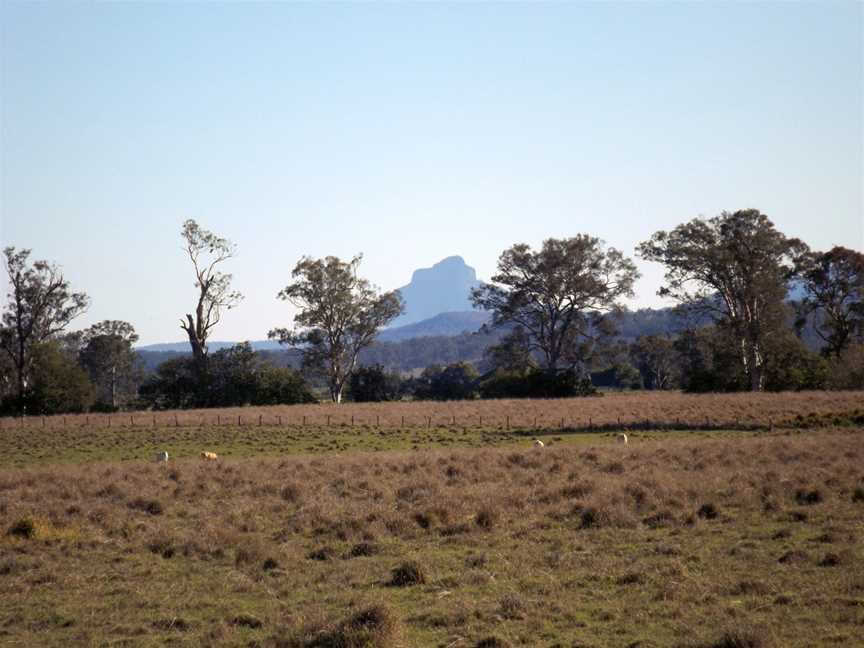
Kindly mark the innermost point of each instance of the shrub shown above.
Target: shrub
(536, 384)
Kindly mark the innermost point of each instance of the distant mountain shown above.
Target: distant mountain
(443, 288)
(183, 347)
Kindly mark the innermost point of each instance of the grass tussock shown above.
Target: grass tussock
(376, 626)
(407, 574)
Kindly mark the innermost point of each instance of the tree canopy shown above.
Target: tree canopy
(40, 304)
(833, 285)
(339, 313)
(559, 295)
(207, 251)
(736, 267)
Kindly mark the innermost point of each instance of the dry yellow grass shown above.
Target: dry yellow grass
(630, 408)
(665, 542)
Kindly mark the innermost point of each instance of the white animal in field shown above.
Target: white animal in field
(622, 438)
(538, 443)
(161, 457)
(209, 456)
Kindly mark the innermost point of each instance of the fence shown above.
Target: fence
(509, 423)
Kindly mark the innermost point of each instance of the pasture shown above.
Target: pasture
(440, 534)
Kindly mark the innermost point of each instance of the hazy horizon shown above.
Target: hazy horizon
(410, 132)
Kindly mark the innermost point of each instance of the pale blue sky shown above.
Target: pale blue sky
(410, 132)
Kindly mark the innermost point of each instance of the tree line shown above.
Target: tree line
(555, 329)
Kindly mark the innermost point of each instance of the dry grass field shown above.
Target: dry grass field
(700, 539)
(740, 410)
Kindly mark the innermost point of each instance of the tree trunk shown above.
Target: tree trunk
(197, 344)
(754, 367)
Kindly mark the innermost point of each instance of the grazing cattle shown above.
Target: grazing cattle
(209, 456)
(538, 443)
(622, 438)
(162, 457)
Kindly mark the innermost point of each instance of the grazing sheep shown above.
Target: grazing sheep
(209, 456)
(622, 438)
(538, 443)
(161, 457)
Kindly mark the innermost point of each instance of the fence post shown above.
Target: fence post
(508, 421)
(328, 420)
(590, 423)
(176, 421)
(131, 420)
(239, 420)
(403, 420)
(481, 420)
(218, 419)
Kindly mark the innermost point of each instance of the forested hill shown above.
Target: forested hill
(444, 339)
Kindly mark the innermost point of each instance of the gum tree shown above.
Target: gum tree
(833, 285)
(736, 268)
(207, 251)
(558, 296)
(40, 305)
(339, 314)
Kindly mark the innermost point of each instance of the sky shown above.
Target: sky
(410, 132)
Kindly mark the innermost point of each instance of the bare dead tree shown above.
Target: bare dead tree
(206, 250)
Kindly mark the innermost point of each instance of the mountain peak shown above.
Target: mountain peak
(446, 286)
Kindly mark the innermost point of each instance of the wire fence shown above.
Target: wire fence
(513, 423)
